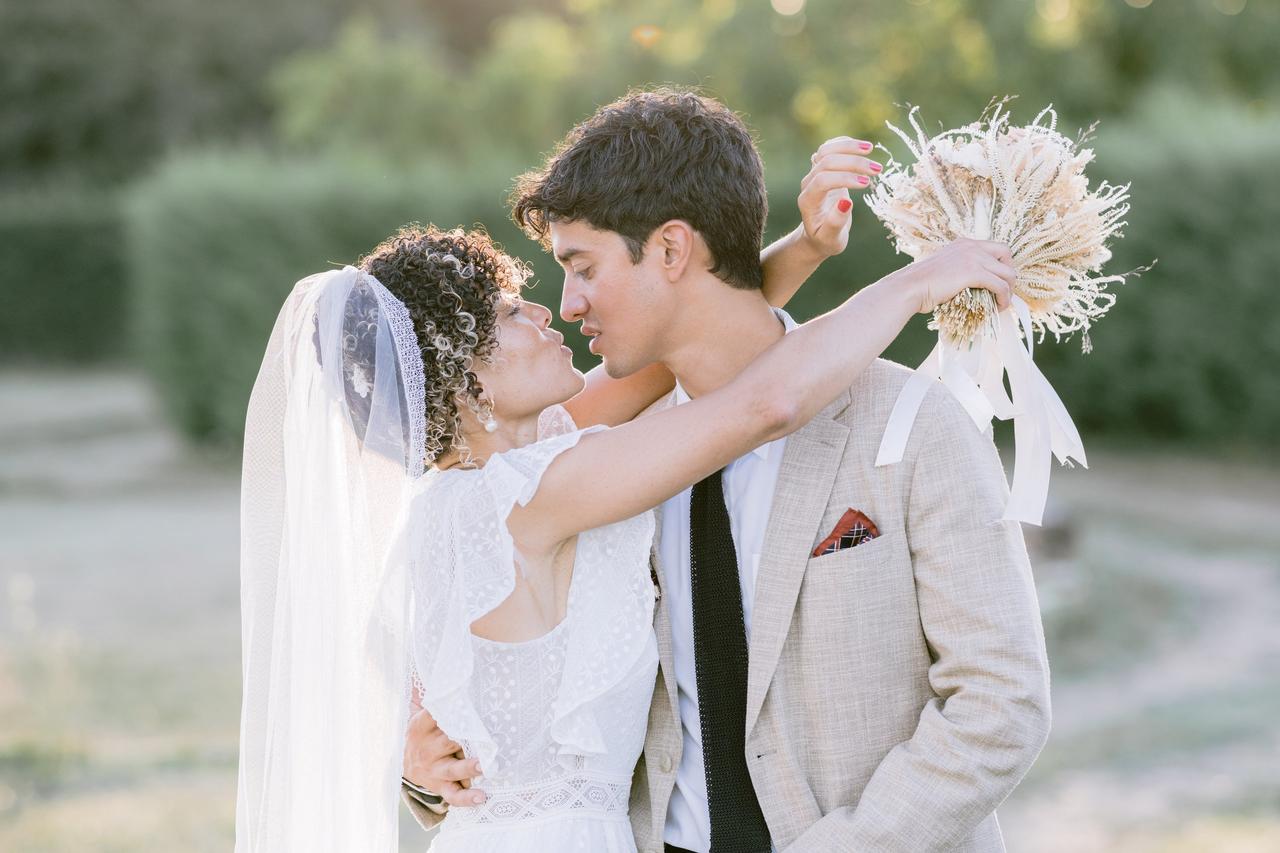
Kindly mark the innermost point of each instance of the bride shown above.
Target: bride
(435, 511)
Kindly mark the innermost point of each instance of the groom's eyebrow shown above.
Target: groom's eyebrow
(568, 255)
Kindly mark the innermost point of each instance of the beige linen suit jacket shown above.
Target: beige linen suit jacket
(897, 691)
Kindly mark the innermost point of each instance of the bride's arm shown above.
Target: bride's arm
(826, 214)
(616, 473)
(609, 401)
(788, 262)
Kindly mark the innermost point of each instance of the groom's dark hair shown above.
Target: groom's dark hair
(650, 157)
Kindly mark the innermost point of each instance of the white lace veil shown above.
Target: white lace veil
(334, 439)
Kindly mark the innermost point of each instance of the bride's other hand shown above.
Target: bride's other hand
(839, 167)
(434, 762)
(955, 267)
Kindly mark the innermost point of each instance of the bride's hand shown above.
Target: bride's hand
(955, 267)
(839, 166)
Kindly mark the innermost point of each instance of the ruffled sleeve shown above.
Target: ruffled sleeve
(555, 420)
(463, 566)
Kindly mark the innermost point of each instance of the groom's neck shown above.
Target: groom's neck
(717, 335)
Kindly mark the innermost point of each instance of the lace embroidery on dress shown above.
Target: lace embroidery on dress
(579, 793)
(463, 565)
(554, 421)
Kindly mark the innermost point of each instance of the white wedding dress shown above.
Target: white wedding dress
(557, 722)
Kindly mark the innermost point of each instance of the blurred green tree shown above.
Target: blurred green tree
(818, 68)
(95, 91)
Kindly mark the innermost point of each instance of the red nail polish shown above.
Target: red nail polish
(844, 204)
(876, 167)
(866, 146)
(864, 180)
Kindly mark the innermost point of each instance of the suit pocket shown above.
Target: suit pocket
(861, 585)
(870, 552)
(856, 628)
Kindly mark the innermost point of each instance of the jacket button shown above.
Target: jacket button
(667, 764)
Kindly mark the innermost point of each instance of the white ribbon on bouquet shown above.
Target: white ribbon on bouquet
(975, 376)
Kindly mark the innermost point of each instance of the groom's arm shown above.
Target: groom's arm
(981, 618)
(433, 763)
(426, 814)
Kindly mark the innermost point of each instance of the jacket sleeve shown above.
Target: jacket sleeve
(425, 814)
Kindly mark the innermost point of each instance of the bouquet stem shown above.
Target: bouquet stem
(969, 315)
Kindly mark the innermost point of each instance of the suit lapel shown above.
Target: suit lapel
(808, 473)
(662, 620)
(662, 616)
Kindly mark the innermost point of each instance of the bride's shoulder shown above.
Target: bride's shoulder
(555, 420)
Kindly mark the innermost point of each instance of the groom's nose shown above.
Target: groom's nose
(573, 304)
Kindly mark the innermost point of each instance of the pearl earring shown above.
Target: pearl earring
(490, 423)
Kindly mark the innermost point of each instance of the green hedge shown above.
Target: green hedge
(217, 240)
(1191, 350)
(62, 280)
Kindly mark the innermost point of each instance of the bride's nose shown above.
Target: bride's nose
(544, 315)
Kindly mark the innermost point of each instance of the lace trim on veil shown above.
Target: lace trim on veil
(412, 373)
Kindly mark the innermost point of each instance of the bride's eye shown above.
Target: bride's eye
(514, 310)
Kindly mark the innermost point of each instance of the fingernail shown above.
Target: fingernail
(866, 146)
(844, 204)
(863, 180)
(478, 799)
(876, 167)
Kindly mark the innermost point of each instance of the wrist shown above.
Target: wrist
(807, 248)
(906, 290)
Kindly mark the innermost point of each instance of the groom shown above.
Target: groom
(891, 687)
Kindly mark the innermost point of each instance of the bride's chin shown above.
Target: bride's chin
(572, 384)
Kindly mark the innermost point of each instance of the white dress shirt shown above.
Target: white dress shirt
(748, 495)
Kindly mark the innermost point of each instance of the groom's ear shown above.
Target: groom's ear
(677, 243)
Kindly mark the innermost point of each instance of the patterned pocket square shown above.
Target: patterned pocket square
(853, 529)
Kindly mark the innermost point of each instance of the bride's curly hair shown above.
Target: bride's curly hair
(452, 282)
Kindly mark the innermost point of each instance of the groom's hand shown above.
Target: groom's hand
(434, 762)
(840, 166)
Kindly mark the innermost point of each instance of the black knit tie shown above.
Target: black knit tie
(720, 658)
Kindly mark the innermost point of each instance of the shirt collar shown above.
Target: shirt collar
(681, 396)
